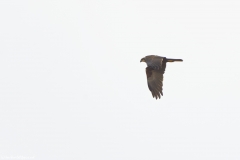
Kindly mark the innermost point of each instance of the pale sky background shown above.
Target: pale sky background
(72, 85)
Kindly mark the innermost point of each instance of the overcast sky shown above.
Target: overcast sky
(72, 85)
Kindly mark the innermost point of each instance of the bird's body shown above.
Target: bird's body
(155, 69)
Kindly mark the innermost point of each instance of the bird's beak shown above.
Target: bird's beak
(142, 60)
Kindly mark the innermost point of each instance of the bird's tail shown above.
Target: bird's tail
(174, 60)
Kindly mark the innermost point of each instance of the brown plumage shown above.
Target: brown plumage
(155, 69)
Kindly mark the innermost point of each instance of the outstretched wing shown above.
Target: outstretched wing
(154, 62)
(155, 81)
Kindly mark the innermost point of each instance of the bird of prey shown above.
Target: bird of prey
(155, 69)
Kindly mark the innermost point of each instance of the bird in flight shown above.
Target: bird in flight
(155, 69)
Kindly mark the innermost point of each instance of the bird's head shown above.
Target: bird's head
(143, 60)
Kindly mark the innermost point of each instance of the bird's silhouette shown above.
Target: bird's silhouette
(155, 69)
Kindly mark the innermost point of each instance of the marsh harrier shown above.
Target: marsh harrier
(155, 69)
